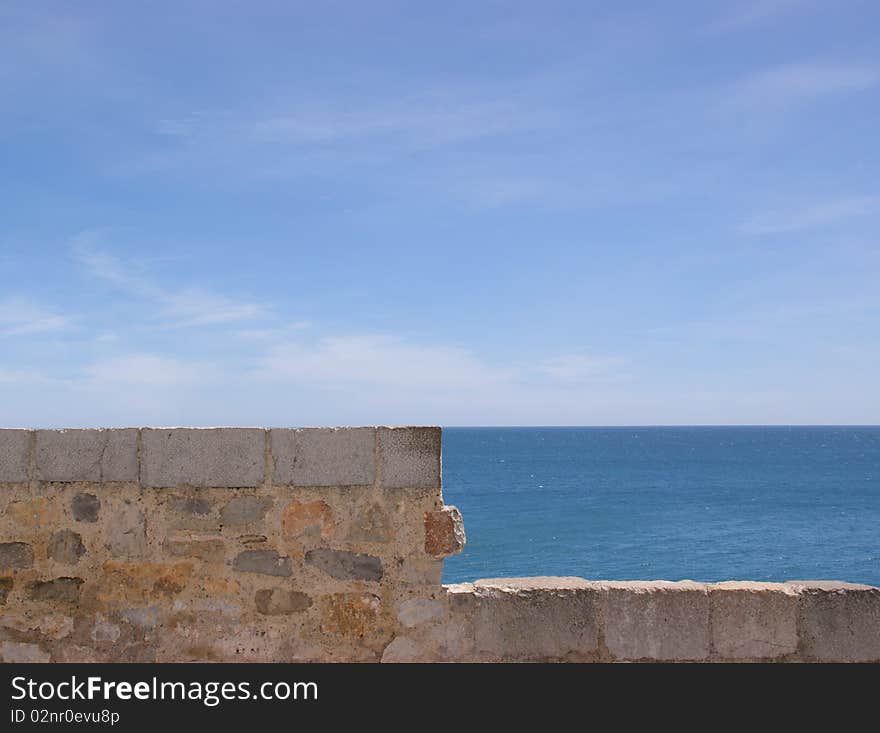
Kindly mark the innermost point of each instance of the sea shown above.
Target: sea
(670, 503)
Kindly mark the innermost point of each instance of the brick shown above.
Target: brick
(753, 620)
(221, 457)
(410, 458)
(657, 620)
(14, 445)
(324, 456)
(344, 565)
(520, 620)
(87, 455)
(840, 622)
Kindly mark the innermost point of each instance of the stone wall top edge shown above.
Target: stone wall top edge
(574, 583)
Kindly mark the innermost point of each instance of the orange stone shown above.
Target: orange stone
(311, 518)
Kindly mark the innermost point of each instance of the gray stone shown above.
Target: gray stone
(403, 650)
(22, 652)
(87, 455)
(66, 547)
(190, 505)
(85, 507)
(14, 446)
(145, 617)
(279, 601)
(657, 620)
(753, 620)
(245, 510)
(324, 456)
(416, 611)
(5, 590)
(519, 621)
(344, 565)
(127, 533)
(222, 457)
(209, 550)
(267, 562)
(63, 590)
(16, 555)
(839, 622)
(410, 458)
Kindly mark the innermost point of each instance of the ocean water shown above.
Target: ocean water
(704, 503)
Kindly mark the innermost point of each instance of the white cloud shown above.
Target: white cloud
(811, 216)
(22, 317)
(794, 83)
(179, 308)
(147, 370)
(756, 12)
(580, 367)
(380, 360)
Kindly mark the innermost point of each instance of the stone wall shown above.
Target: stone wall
(328, 544)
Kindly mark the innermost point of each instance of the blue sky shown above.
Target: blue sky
(461, 213)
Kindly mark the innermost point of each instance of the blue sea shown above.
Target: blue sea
(704, 503)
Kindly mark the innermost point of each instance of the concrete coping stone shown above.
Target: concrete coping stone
(407, 458)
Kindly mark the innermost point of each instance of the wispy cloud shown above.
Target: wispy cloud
(755, 12)
(149, 370)
(22, 317)
(581, 367)
(379, 360)
(793, 83)
(811, 216)
(178, 308)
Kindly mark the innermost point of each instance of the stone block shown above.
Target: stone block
(444, 532)
(61, 590)
(5, 589)
(410, 458)
(417, 611)
(87, 455)
(14, 449)
(22, 652)
(344, 565)
(16, 556)
(753, 620)
(324, 456)
(206, 549)
(85, 507)
(280, 601)
(840, 622)
(127, 533)
(221, 457)
(245, 510)
(66, 547)
(265, 562)
(657, 620)
(309, 520)
(520, 620)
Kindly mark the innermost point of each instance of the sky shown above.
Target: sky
(458, 213)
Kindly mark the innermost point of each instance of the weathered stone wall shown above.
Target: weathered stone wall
(328, 544)
(217, 544)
